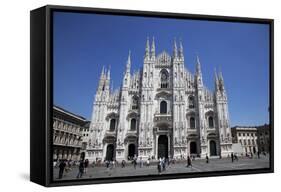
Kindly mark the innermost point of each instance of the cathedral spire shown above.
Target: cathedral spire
(103, 73)
(128, 66)
(175, 49)
(108, 73)
(181, 49)
(216, 81)
(198, 65)
(221, 81)
(147, 48)
(153, 49)
(112, 88)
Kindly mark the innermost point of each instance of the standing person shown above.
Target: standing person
(164, 163)
(258, 154)
(123, 163)
(232, 157)
(86, 164)
(61, 168)
(107, 163)
(207, 159)
(189, 164)
(135, 162)
(147, 162)
(113, 164)
(159, 166)
(141, 162)
(80, 169)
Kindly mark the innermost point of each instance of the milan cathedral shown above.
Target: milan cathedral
(162, 110)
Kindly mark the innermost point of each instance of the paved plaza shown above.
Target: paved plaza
(198, 165)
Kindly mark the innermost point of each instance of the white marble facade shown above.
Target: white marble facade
(162, 110)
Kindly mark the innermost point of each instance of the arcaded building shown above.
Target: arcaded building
(161, 110)
(67, 134)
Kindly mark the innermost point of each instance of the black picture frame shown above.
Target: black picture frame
(41, 88)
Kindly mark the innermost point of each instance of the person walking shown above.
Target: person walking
(141, 162)
(159, 166)
(207, 159)
(123, 163)
(61, 168)
(164, 164)
(148, 162)
(135, 162)
(80, 169)
(189, 164)
(86, 164)
(232, 157)
(107, 164)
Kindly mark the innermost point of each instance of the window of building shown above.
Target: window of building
(163, 107)
(133, 124)
(112, 124)
(134, 102)
(211, 122)
(249, 142)
(192, 122)
(239, 134)
(191, 102)
(164, 76)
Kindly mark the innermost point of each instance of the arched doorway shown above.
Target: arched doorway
(131, 151)
(109, 152)
(163, 146)
(213, 148)
(193, 147)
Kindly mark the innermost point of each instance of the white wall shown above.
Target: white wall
(14, 101)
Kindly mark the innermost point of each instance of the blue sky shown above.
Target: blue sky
(83, 43)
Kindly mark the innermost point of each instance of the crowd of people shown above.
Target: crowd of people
(66, 165)
(162, 163)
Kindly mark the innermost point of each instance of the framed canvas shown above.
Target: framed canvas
(127, 95)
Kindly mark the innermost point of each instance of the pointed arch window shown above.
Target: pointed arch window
(112, 125)
(211, 122)
(163, 107)
(134, 102)
(133, 124)
(192, 122)
(164, 76)
(191, 102)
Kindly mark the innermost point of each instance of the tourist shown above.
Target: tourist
(141, 162)
(61, 168)
(135, 162)
(147, 162)
(159, 166)
(164, 163)
(86, 165)
(107, 163)
(81, 169)
(123, 163)
(189, 164)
